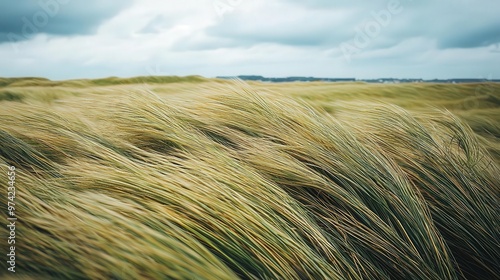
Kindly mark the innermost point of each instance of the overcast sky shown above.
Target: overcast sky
(63, 39)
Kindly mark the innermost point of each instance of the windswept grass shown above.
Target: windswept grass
(42, 82)
(237, 181)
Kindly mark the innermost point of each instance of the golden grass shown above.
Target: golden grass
(225, 180)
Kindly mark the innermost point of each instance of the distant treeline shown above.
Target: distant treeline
(36, 81)
(287, 79)
(381, 80)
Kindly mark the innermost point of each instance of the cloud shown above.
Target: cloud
(452, 24)
(472, 37)
(155, 25)
(281, 24)
(427, 39)
(22, 20)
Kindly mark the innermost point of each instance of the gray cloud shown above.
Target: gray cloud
(471, 38)
(451, 24)
(309, 28)
(428, 39)
(23, 19)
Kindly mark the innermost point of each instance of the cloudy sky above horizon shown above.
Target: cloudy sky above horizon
(65, 39)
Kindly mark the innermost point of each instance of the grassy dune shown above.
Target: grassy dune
(190, 178)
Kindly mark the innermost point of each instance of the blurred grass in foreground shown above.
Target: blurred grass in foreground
(191, 178)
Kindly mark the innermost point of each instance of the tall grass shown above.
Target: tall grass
(221, 182)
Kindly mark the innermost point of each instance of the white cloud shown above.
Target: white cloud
(274, 38)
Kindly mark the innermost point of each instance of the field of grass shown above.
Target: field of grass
(194, 178)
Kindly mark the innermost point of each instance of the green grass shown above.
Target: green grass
(192, 178)
(41, 82)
